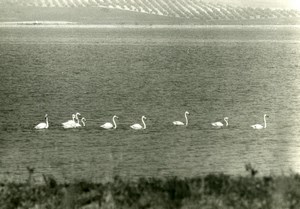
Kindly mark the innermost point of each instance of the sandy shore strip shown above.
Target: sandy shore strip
(36, 23)
(65, 24)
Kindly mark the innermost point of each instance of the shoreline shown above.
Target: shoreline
(66, 24)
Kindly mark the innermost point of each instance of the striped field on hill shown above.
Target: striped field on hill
(191, 9)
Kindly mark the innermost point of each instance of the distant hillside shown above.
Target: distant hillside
(167, 11)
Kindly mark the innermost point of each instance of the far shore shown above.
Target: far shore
(8, 23)
(65, 24)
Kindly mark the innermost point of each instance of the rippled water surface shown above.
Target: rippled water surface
(238, 72)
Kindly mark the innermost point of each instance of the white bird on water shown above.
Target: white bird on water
(72, 122)
(43, 125)
(179, 123)
(76, 124)
(138, 126)
(259, 126)
(220, 124)
(110, 125)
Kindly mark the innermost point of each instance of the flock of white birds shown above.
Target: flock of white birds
(75, 123)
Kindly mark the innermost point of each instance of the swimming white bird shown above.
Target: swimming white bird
(110, 125)
(179, 123)
(70, 121)
(220, 124)
(138, 126)
(75, 124)
(259, 126)
(43, 125)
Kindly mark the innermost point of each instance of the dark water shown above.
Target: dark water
(238, 72)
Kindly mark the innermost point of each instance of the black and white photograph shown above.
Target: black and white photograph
(149, 104)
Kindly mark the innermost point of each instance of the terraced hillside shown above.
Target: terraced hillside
(191, 9)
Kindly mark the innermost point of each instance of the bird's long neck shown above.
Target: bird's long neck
(265, 121)
(115, 125)
(144, 123)
(186, 119)
(47, 123)
(82, 121)
(225, 119)
(77, 118)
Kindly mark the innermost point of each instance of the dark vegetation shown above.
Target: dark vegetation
(211, 191)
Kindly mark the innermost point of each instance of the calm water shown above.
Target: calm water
(239, 72)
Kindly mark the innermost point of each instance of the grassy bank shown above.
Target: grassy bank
(105, 16)
(208, 192)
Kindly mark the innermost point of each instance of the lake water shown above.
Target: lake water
(212, 72)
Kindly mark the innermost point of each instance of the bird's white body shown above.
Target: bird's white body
(69, 125)
(259, 126)
(75, 125)
(110, 125)
(70, 121)
(107, 125)
(138, 126)
(217, 124)
(43, 125)
(179, 123)
(220, 124)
